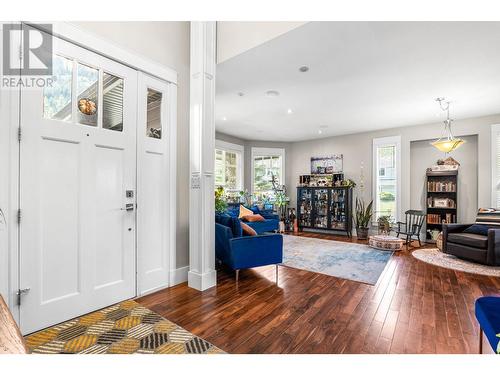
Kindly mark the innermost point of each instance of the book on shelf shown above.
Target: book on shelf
(441, 187)
(438, 219)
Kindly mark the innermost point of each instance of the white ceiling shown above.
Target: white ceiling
(363, 76)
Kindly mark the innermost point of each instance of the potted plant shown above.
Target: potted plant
(245, 197)
(220, 201)
(281, 201)
(363, 218)
(384, 224)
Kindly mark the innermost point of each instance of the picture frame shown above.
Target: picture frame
(327, 164)
(441, 203)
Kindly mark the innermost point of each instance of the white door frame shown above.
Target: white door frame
(9, 111)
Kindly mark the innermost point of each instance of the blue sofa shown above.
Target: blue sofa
(238, 251)
(487, 311)
(270, 224)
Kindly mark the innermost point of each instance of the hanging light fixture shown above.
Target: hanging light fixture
(447, 143)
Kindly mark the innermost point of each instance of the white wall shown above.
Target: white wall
(166, 43)
(357, 148)
(234, 38)
(423, 155)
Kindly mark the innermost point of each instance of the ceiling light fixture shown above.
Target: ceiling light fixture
(224, 118)
(447, 143)
(289, 111)
(303, 68)
(272, 93)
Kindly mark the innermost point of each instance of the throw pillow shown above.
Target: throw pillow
(253, 218)
(244, 211)
(248, 230)
(477, 229)
(488, 216)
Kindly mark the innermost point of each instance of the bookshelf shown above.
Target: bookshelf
(441, 200)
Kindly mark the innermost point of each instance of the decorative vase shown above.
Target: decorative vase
(362, 233)
(439, 241)
(282, 227)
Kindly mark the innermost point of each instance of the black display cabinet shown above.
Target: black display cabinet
(326, 208)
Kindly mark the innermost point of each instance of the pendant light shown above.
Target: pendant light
(448, 142)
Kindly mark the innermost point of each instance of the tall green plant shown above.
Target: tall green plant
(220, 200)
(364, 214)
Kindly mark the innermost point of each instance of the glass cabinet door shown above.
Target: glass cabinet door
(338, 218)
(321, 208)
(305, 208)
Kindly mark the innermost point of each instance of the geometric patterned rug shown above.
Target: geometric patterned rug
(123, 328)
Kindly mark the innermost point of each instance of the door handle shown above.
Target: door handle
(128, 207)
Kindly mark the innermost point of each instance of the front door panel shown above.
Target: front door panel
(78, 159)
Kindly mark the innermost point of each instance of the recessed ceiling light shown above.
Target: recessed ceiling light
(272, 93)
(303, 68)
(224, 118)
(320, 131)
(241, 93)
(289, 111)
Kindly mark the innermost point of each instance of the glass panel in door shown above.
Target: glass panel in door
(112, 102)
(337, 209)
(153, 123)
(321, 208)
(87, 83)
(305, 208)
(57, 97)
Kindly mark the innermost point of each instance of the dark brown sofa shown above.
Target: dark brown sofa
(473, 247)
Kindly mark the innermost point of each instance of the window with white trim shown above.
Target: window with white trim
(267, 162)
(495, 166)
(228, 166)
(386, 177)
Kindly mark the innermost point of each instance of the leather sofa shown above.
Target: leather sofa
(484, 249)
(237, 251)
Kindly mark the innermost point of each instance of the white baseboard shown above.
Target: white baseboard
(202, 281)
(179, 275)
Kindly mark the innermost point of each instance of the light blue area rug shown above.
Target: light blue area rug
(340, 259)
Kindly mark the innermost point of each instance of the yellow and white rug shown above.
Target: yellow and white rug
(124, 328)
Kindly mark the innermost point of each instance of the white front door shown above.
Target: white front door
(77, 189)
(153, 173)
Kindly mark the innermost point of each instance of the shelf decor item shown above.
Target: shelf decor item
(363, 217)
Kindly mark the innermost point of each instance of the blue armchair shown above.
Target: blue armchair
(239, 252)
(488, 315)
(270, 224)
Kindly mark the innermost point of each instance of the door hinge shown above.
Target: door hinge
(20, 293)
(19, 134)
(19, 216)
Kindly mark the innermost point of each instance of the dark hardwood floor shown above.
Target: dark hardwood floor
(414, 308)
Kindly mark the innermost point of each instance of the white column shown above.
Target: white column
(202, 273)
